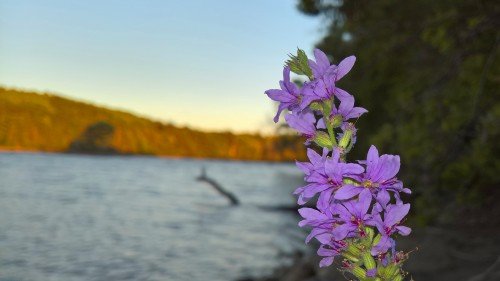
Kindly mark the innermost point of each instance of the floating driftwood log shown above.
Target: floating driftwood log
(203, 177)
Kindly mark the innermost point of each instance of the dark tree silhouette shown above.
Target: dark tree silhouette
(97, 139)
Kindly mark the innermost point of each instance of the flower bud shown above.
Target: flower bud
(377, 239)
(390, 271)
(398, 278)
(350, 257)
(322, 139)
(348, 181)
(299, 63)
(381, 270)
(354, 250)
(368, 261)
(369, 233)
(358, 272)
(346, 138)
(315, 106)
(336, 120)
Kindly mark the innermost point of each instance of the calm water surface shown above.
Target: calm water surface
(66, 217)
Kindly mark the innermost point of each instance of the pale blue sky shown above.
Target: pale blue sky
(204, 64)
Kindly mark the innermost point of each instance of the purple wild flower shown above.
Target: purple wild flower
(346, 110)
(327, 180)
(288, 96)
(321, 222)
(304, 123)
(379, 178)
(316, 161)
(325, 76)
(322, 66)
(354, 215)
(389, 225)
(358, 205)
(329, 249)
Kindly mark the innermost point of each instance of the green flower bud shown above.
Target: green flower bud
(377, 239)
(350, 257)
(336, 120)
(390, 271)
(358, 272)
(348, 181)
(369, 233)
(315, 106)
(322, 139)
(299, 64)
(353, 249)
(346, 138)
(327, 108)
(368, 260)
(398, 278)
(381, 270)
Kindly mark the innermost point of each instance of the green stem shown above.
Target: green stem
(327, 108)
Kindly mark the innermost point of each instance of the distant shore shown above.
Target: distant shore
(173, 157)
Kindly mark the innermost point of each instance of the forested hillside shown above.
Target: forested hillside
(428, 72)
(46, 122)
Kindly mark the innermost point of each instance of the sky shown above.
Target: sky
(203, 64)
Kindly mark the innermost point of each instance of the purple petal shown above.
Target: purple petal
(321, 124)
(286, 74)
(343, 211)
(371, 272)
(395, 213)
(321, 64)
(313, 156)
(383, 245)
(324, 238)
(306, 101)
(321, 58)
(356, 112)
(352, 169)
(307, 116)
(317, 176)
(365, 199)
(311, 214)
(299, 190)
(346, 104)
(390, 165)
(305, 167)
(300, 125)
(339, 93)
(383, 198)
(279, 95)
(340, 232)
(345, 66)
(347, 191)
(301, 200)
(312, 189)
(324, 199)
(332, 169)
(324, 252)
(281, 107)
(403, 230)
(314, 233)
(326, 261)
(371, 159)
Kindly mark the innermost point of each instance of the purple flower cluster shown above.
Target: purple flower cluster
(359, 207)
(351, 197)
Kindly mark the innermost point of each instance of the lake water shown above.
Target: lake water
(69, 217)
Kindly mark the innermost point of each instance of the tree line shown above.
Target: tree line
(51, 123)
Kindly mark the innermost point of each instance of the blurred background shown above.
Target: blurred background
(136, 142)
